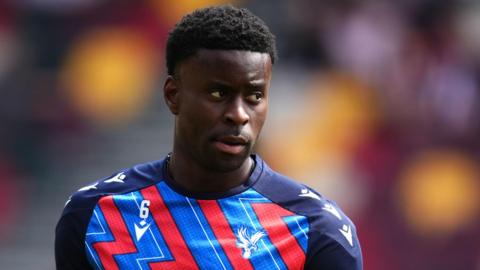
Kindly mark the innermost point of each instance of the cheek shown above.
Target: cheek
(260, 115)
(195, 118)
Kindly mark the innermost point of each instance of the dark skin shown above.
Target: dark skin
(219, 99)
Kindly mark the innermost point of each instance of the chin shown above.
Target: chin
(226, 163)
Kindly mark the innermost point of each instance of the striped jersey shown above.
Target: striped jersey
(139, 219)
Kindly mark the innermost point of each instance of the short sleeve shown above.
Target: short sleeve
(334, 256)
(69, 243)
(333, 241)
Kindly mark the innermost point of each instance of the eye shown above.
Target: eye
(255, 97)
(218, 94)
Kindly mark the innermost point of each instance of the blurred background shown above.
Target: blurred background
(373, 103)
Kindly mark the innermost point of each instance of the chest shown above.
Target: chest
(156, 228)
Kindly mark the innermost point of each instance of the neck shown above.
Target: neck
(195, 178)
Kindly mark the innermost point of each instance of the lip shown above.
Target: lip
(231, 144)
(231, 139)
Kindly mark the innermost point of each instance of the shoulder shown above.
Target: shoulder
(72, 226)
(123, 181)
(295, 196)
(332, 234)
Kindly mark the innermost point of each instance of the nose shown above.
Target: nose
(236, 113)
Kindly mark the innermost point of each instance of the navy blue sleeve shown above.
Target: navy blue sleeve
(69, 243)
(333, 256)
(71, 228)
(333, 241)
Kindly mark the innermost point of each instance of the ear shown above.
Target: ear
(171, 94)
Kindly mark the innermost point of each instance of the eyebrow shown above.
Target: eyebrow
(258, 83)
(218, 83)
(254, 83)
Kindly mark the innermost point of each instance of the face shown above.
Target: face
(220, 99)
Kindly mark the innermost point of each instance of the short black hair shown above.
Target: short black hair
(220, 28)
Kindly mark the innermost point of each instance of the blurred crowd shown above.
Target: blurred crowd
(379, 110)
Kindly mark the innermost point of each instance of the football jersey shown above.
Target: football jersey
(139, 219)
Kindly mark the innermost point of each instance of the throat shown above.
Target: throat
(195, 179)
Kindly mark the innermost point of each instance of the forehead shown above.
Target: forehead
(227, 65)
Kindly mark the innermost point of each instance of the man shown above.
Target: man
(211, 203)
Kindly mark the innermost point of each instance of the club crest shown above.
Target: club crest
(248, 242)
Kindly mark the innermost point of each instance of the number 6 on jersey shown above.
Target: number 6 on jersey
(144, 209)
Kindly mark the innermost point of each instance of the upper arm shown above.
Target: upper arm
(333, 242)
(69, 244)
(334, 256)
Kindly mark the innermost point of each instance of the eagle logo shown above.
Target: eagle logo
(248, 242)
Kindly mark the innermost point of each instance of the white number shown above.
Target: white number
(144, 209)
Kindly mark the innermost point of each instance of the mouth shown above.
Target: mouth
(231, 144)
